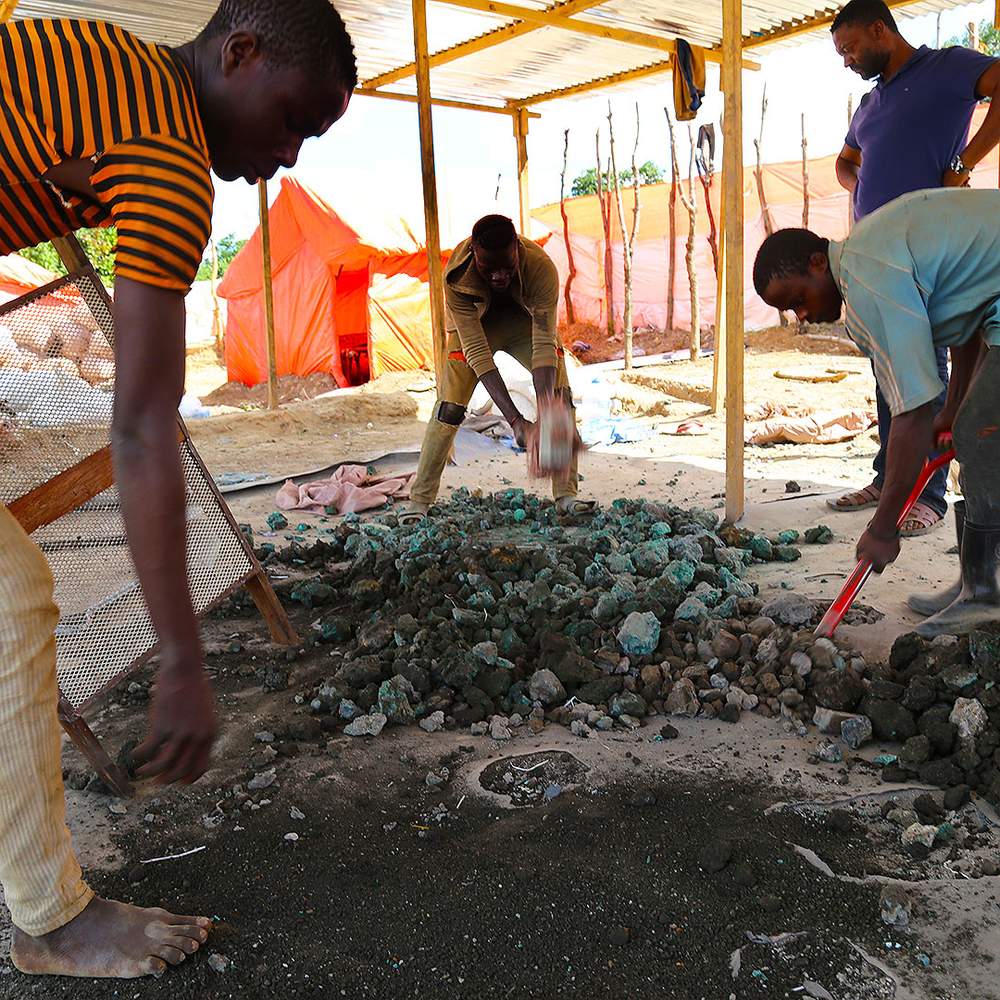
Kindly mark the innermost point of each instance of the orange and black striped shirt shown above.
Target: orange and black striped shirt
(87, 90)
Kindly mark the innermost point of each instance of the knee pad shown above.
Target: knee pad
(450, 413)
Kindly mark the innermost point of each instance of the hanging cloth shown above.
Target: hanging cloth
(689, 80)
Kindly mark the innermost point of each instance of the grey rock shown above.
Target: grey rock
(261, 781)
(919, 834)
(789, 609)
(433, 723)
(916, 751)
(830, 753)
(219, 963)
(969, 717)
(545, 687)
(856, 731)
(895, 906)
(367, 725)
(499, 729)
(683, 699)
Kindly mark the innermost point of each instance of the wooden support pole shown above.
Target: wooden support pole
(732, 86)
(265, 239)
(523, 199)
(718, 360)
(429, 176)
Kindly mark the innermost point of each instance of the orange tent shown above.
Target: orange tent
(349, 299)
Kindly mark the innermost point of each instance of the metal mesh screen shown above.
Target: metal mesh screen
(56, 394)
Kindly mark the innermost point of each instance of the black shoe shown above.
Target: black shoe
(931, 604)
(978, 604)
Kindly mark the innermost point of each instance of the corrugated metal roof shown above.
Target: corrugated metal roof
(516, 69)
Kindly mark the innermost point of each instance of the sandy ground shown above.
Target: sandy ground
(527, 903)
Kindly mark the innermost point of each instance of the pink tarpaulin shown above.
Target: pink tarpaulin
(348, 490)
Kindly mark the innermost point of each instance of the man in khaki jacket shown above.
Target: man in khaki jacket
(502, 294)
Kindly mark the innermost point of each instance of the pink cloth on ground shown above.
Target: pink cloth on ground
(348, 490)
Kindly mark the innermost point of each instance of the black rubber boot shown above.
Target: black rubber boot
(978, 604)
(931, 604)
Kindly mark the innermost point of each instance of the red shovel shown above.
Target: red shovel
(849, 593)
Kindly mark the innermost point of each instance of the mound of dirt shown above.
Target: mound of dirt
(291, 389)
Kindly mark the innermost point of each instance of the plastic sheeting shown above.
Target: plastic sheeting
(829, 211)
(348, 295)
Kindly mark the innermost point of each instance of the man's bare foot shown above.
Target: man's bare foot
(110, 940)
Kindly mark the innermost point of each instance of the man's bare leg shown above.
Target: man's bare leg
(110, 940)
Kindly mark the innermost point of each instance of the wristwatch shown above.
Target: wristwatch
(957, 166)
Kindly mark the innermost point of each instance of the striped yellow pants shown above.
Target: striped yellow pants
(39, 873)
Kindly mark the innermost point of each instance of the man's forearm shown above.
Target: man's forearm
(983, 142)
(909, 445)
(151, 484)
(149, 354)
(495, 386)
(544, 379)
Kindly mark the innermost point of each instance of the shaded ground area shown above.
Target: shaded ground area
(602, 892)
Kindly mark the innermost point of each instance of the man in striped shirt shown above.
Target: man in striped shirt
(920, 274)
(100, 128)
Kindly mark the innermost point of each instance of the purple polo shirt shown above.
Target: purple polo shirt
(910, 129)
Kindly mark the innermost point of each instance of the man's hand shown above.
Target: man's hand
(182, 724)
(523, 430)
(943, 423)
(881, 551)
(951, 179)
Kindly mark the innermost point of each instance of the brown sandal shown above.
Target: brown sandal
(920, 520)
(858, 500)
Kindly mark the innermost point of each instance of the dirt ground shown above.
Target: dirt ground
(394, 888)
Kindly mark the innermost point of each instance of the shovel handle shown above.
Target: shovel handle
(849, 592)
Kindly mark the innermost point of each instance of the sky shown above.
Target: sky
(370, 160)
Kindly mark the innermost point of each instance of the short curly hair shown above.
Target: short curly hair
(309, 34)
(785, 253)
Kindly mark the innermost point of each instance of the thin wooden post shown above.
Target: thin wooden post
(732, 86)
(570, 262)
(265, 238)
(521, 137)
(805, 175)
(718, 359)
(432, 226)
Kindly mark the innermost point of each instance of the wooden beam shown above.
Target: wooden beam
(428, 173)
(480, 44)
(732, 180)
(791, 29)
(440, 102)
(523, 198)
(996, 15)
(605, 81)
(557, 18)
(265, 241)
(64, 493)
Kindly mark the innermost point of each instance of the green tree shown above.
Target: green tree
(989, 39)
(586, 183)
(100, 247)
(227, 248)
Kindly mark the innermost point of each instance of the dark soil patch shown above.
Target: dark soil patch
(595, 895)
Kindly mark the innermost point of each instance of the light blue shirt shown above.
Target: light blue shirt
(920, 273)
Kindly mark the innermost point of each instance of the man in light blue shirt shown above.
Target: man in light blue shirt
(919, 274)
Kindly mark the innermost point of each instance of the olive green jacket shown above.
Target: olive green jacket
(468, 296)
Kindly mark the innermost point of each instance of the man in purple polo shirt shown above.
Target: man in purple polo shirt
(909, 133)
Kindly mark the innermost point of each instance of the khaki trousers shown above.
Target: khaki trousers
(39, 873)
(508, 330)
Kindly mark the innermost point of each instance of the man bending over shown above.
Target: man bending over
(502, 294)
(921, 273)
(99, 128)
